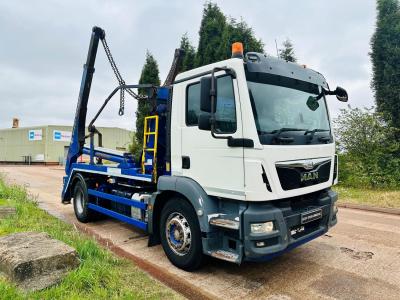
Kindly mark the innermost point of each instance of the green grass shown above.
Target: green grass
(376, 197)
(101, 275)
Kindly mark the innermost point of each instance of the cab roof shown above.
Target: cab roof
(258, 62)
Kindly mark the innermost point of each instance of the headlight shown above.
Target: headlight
(262, 227)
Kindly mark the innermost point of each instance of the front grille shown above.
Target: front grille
(293, 176)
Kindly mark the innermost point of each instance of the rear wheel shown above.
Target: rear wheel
(181, 235)
(81, 200)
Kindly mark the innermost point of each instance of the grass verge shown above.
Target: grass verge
(378, 198)
(101, 275)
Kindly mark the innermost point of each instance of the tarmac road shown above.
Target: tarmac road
(358, 259)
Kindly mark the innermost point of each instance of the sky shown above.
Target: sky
(43, 46)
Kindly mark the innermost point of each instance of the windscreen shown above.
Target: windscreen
(280, 108)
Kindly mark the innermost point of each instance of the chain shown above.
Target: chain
(121, 81)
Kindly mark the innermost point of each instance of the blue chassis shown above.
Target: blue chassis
(131, 173)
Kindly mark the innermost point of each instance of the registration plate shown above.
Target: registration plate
(311, 216)
(296, 230)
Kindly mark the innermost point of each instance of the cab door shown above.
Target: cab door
(217, 167)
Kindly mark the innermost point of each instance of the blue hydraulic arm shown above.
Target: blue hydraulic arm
(78, 131)
(76, 148)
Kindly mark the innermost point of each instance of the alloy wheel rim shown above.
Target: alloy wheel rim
(178, 234)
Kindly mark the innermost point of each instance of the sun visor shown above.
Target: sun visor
(257, 62)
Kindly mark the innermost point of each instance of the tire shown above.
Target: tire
(81, 200)
(178, 223)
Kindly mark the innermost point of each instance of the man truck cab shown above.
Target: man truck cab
(249, 163)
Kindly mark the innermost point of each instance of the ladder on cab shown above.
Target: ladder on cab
(150, 138)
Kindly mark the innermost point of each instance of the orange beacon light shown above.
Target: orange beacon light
(237, 50)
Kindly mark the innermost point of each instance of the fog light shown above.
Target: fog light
(260, 244)
(262, 227)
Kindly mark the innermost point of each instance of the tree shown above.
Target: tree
(367, 149)
(134, 147)
(211, 29)
(287, 52)
(238, 32)
(385, 57)
(217, 34)
(188, 61)
(150, 75)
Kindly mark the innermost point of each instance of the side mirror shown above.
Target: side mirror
(205, 96)
(341, 94)
(204, 122)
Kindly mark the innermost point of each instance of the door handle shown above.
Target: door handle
(185, 162)
(243, 143)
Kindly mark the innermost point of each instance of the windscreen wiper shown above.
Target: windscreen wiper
(321, 138)
(279, 131)
(281, 139)
(315, 130)
(284, 129)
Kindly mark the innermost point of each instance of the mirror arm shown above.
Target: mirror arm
(323, 93)
(340, 93)
(329, 92)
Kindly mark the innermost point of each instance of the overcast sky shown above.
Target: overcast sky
(43, 46)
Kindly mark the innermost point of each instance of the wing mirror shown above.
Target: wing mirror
(341, 94)
(208, 100)
(208, 89)
(204, 121)
(206, 92)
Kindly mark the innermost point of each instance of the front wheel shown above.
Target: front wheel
(181, 235)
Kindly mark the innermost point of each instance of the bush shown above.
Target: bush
(369, 154)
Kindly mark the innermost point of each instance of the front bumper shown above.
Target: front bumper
(238, 243)
(289, 232)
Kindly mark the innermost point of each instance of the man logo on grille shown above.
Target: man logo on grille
(306, 176)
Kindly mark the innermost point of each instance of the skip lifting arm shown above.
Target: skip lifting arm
(76, 148)
(78, 131)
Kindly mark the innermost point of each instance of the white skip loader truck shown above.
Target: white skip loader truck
(238, 159)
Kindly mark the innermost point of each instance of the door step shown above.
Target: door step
(226, 255)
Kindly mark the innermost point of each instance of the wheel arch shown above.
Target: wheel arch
(77, 177)
(87, 180)
(69, 184)
(186, 188)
